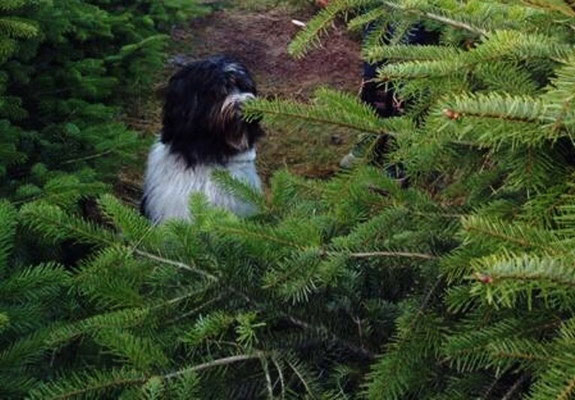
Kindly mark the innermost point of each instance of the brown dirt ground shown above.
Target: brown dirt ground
(260, 41)
(259, 38)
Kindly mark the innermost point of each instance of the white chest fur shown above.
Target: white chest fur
(170, 183)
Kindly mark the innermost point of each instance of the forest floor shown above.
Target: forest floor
(257, 32)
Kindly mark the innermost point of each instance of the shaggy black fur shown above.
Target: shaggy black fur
(193, 122)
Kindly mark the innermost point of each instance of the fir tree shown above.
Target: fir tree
(301, 307)
(66, 68)
(34, 303)
(459, 286)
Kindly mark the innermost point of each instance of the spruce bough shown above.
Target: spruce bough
(460, 286)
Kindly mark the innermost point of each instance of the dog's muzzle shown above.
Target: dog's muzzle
(231, 104)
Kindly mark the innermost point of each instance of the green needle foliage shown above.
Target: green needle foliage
(270, 306)
(487, 133)
(33, 305)
(459, 286)
(66, 67)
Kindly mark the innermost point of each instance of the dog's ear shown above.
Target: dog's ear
(180, 106)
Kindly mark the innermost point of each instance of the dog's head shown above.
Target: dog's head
(202, 118)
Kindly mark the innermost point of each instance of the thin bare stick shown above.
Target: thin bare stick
(300, 376)
(515, 386)
(490, 389)
(393, 254)
(268, 378)
(280, 375)
(216, 363)
(177, 264)
(86, 158)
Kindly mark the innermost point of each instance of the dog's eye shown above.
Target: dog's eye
(244, 86)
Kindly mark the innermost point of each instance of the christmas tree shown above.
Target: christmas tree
(457, 286)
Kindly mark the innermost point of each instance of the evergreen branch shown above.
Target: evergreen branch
(197, 309)
(320, 114)
(521, 356)
(557, 5)
(504, 280)
(527, 276)
(239, 189)
(494, 105)
(91, 388)
(121, 319)
(426, 300)
(61, 189)
(315, 119)
(296, 321)
(568, 391)
(501, 45)
(393, 375)
(262, 235)
(364, 19)
(516, 44)
(78, 385)
(423, 69)
(436, 17)
(10, 5)
(55, 224)
(486, 349)
(331, 336)
(17, 28)
(139, 351)
(523, 236)
(7, 232)
(559, 98)
(557, 380)
(408, 52)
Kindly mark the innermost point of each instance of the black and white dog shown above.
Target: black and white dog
(203, 129)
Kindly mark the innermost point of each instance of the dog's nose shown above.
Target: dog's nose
(234, 100)
(237, 98)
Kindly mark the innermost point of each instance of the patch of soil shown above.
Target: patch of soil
(260, 40)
